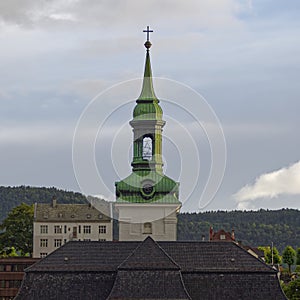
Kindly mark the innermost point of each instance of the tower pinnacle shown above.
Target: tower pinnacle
(147, 93)
(147, 43)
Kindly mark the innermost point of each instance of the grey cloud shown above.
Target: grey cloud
(113, 14)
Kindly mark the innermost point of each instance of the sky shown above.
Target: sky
(228, 71)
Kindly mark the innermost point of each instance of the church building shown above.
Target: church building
(148, 263)
(147, 200)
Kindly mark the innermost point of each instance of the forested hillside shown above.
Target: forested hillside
(255, 228)
(13, 196)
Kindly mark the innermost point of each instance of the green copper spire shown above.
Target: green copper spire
(147, 182)
(147, 93)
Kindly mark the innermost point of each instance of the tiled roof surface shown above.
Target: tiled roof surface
(148, 284)
(72, 212)
(148, 256)
(150, 270)
(190, 256)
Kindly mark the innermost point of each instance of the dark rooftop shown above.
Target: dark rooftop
(150, 270)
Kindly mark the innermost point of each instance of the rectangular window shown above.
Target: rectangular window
(87, 229)
(74, 232)
(43, 243)
(79, 228)
(14, 283)
(87, 240)
(57, 229)
(57, 243)
(65, 228)
(43, 254)
(102, 228)
(102, 240)
(44, 229)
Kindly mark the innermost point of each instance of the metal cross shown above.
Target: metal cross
(148, 31)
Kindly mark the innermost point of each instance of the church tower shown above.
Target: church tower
(147, 200)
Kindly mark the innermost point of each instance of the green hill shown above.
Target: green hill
(255, 228)
(13, 196)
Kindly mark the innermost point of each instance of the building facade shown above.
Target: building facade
(147, 200)
(11, 275)
(55, 224)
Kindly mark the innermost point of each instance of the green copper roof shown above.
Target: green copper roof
(130, 189)
(147, 107)
(147, 93)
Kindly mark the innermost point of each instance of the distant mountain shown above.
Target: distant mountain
(254, 228)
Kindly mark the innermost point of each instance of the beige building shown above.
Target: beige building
(136, 221)
(55, 224)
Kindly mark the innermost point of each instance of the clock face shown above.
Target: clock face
(147, 190)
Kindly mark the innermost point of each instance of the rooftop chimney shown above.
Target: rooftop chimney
(211, 233)
(54, 201)
(232, 234)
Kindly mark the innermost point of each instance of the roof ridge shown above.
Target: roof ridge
(258, 259)
(133, 260)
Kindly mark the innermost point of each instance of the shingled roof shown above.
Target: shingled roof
(159, 270)
(98, 211)
(150, 269)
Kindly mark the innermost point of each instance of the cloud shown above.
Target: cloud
(119, 12)
(270, 185)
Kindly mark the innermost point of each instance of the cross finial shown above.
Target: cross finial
(148, 44)
(148, 30)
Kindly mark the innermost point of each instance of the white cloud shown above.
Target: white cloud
(63, 17)
(270, 185)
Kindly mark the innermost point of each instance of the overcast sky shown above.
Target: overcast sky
(241, 56)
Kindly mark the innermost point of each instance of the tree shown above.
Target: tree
(8, 252)
(292, 289)
(288, 256)
(268, 255)
(18, 229)
(298, 257)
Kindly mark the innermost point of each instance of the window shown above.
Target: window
(148, 228)
(86, 229)
(57, 243)
(57, 229)
(222, 237)
(74, 232)
(43, 229)
(18, 268)
(79, 228)
(43, 243)
(43, 254)
(14, 283)
(102, 228)
(147, 148)
(65, 229)
(86, 240)
(2, 284)
(102, 240)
